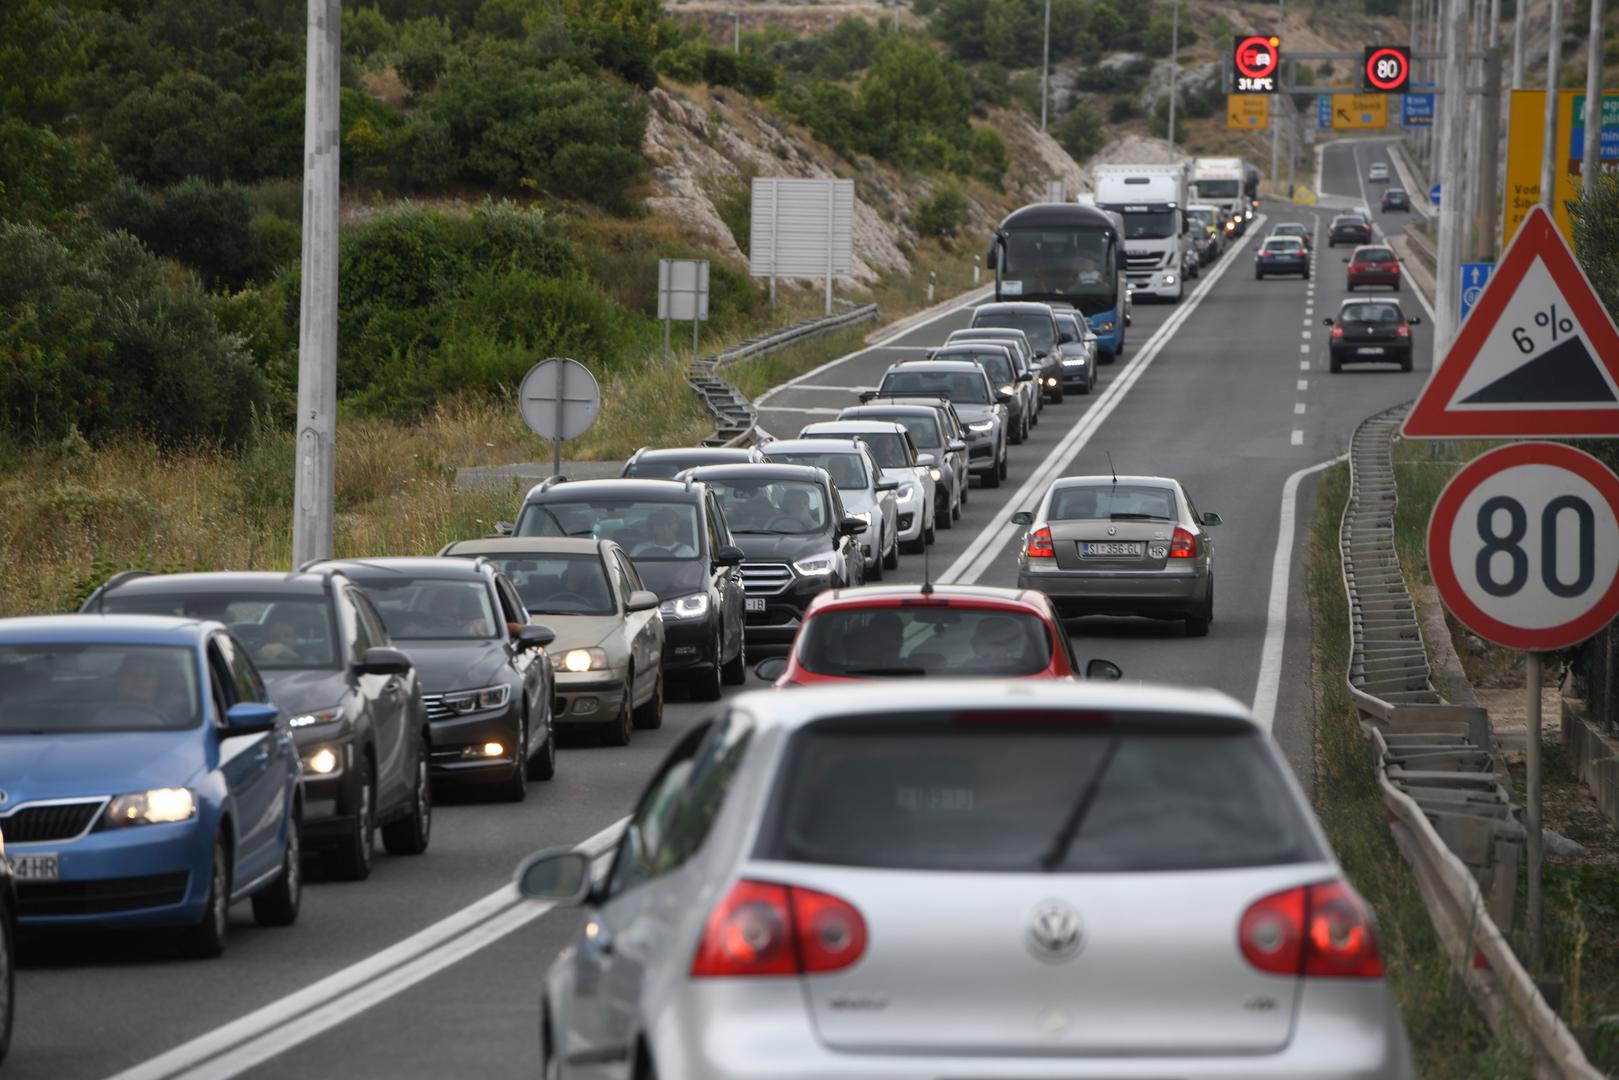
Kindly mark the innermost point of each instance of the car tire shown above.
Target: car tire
(891, 560)
(1405, 364)
(961, 500)
(352, 860)
(942, 515)
(1197, 625)
(992, 479)
(410, 834)
(543, 766)
(930, 530)
(1057, 394)
(206, 939)
(1335, 365)
(874, 572)
(1001, 469)
(649, 716)
(278, 904)
(1016, 437)
(735, 671)
(705, 685)
(1307, 275)
(515, 787)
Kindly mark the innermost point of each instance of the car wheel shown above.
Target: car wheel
(1335, 365)
(930, 530)
(8, 985)
(515, 787)
(735, 672)
(617, 732)
(1405, 363)
(705, 685)
(1258, 275)
(941, 511)
(650, 715)
(1057, 394)
(351, 861)
(1017, 434)
(278, 905)
(1001, 469)
(410, 834)
(543, 766)
(550, 1063)
(891, 560)
(961, 500)
(1307, 275)
(1198, 625)
(206, 939)
(874, 572)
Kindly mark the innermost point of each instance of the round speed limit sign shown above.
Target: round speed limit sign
(1524, 546)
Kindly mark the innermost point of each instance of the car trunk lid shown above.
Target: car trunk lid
(1111, 545)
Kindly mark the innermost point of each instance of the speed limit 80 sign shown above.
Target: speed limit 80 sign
(1523, 546)
(1386, 69)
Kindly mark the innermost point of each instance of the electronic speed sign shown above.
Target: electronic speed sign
(1387, 69)
(1256, 58)
(1523, 546)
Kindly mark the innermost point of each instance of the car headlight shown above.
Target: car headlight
(981, 425)
(905, 492)
(578, 660)
(324, 761)
(690, 606)
(1105, 326)
(935, 473)
(317, 716)
(1007, 389)
(471, 701)
(155, 807)
(1169, 279)
(1051, 380)
(819, 566)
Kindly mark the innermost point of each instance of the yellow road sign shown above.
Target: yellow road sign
(1303, 196)
(1525, 132)
(1247, 110)
(1353, 111)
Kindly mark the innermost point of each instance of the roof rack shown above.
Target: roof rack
(636, 455)
(99, 596)
(557, 478)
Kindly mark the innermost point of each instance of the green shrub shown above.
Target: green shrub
(1081, 132)
(914, 100)
(1121, 110)
(1158, 122)
(44, 177)
(184, 126)
(942, 214)
(989, 151)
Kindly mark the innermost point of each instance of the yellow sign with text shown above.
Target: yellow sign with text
(1247, 110)
(1353, 111)
(1526, 132)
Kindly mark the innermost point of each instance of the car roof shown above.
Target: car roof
(426, 566)
(963, 367)
(226, 581)
(889, 408)
(973, 345)
(889, 595)
(853, 427)
(104, 630)
(816, 446)
(527, 545)
(1010, 332)
(1386, 301)
(759, 470)
(612, 488)
(718, 453)
(773, 709)
(1106, 478)
(1012, 307)
(1370, 247)
(1394, 191)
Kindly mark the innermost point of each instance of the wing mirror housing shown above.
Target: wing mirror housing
(1023, 517)
(956, 446)
(867, 395)
(381, 660)
(1103, 669)
(504, 528)
(771, 669)
(851, 526)
(1326, 322)
(1415, 320)
(926, 460)
(250, 718)
(1002, 398)
(642, 600)
(729, 555)
(556, 876)
(1212, 519)
(534, 636)
(887, 485)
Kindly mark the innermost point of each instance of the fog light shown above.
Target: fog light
(323, 761)
(582, 706)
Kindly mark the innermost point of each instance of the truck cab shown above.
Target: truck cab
(1223, 181)
(1152, 200)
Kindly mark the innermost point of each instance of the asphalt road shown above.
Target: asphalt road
(430, 970)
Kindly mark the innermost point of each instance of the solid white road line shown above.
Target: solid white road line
(380, 971)
(972, 563)
(1268, 687)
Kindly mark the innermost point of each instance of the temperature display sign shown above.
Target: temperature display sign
(1256, 58)
(1387, 69)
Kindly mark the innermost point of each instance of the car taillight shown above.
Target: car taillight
(1402, 331)
(1183, 545)
(766, 929)
(1394, 268)
(1313, 930)
(1337, 333)
(1040, 545)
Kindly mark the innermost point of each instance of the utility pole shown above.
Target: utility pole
(315, 476)
(1517, 46)
(1045, 67)
(1452, 147)
(1174, 63)
(1489, 177)
(1548, 145)
(1593, 98)
(736, 31)
(1468, 188)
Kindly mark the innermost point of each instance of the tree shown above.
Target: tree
(942, 214)
(184, 126)
(1080, 133)
(910, 90)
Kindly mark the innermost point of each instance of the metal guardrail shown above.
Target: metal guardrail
(1451, 815)
(1416, 234)
(735, 419)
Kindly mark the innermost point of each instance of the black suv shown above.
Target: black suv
(649, 464)
(356, 707)
(796, 539)
(486, 679)
(1349, 229)
(676, 535)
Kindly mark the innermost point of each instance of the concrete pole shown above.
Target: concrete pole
(1489, 176)
(1045, 68)
(1548, 145)
(1452, 148)
(315, 479)
(1475, 120)
(1517, 45)
(1593, 98)
(1174, 63)
(1531, 768)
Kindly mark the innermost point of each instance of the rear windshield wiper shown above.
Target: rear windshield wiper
(1136, 517)
(886, 672)
(1058, 851)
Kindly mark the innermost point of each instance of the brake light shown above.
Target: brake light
(1040, 544)
(1394, 268)
(1402, 330)
(766, 929)
(1183, 545)
(1337, 333)
(1313, 930)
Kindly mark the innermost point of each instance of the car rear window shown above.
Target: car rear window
(915, 641)
(1095, 502)
(1376, 255)
(967, 389)
(953, 793)
(1282, 244)
(1378, 313)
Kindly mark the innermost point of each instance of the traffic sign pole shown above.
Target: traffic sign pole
(559, 400)
(1531, 812)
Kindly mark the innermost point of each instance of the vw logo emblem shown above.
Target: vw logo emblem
(1056, 932)
(1112, 531)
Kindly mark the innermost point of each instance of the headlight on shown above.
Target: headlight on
(905, 492)
(981, 425)
(820, 566)
(936, 474)
(317, 716)
(1007, 389)
(1106, 326)
(690, 606)
(155, 807)
(471, 701)
(578, 660)
(1169, 279)
(323, 761)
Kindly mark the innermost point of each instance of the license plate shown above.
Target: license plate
(755, 603)
(1111, 549)
(46, 866)
(1371, 350)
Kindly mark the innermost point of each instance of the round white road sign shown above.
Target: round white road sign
(1523, 546)
(559, 399)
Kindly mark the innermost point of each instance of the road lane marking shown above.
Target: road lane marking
(377, 970)
(1307, 334)
(1304, 365)
(1298, 408)
(1298, 437)
(1304, 384)
(1304, 348)
(822, 410)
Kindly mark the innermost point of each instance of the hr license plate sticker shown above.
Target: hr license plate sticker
(45, 866)
(755, 603)
(1110, 549)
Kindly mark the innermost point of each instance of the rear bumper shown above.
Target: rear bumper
(1374, 279)
(1119, 592)
(1352, 354)
(1291, 266)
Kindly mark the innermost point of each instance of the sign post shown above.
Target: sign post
(682, 294)
(559, 400)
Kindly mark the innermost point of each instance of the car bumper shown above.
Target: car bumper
(328, 808)
(1289, 266)
(1076, 372)
(1119, 592)
(458, 745)
(910, 521)
(1374, 279)
(1357, 354)
(778, 623)
(1156, 283)
(588, 697)
(688, 644)
(144, 875)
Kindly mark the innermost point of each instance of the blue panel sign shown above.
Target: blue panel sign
(1417, 111)
(1610, 129)
(1323, 112)
(1474, 277)
(1433, 194)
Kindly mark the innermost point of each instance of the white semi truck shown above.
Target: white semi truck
(1223, 182)
(1152, 201)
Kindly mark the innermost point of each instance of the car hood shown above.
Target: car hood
(307, 690)
(578, 631)
(971, 413)
(776, 548)
(672, 578)
(443, 666)
(859, 499)
(100, 763)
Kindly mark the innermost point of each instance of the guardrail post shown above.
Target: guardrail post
(976, 260)
(932, 280)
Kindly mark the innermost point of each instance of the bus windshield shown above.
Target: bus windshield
(1076, 266)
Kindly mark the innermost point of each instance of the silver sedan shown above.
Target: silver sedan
(1120, 545)
(968, 878)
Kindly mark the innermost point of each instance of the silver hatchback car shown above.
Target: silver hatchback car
(1120, 545)
(968, 879)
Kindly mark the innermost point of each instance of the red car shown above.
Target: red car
(1373, 264)
(912, 631)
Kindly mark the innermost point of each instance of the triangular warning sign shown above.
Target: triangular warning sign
(1538, 356)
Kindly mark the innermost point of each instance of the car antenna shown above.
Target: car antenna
(1110, 467)
(927, 572)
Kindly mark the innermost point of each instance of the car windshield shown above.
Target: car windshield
(1375, 313)
(1375, 255)
(1202, 217)
(789, 507)
(434, 609)
(892, 642)
(988, 794)
(1149, 224)
(995, 364)
(1349, 222)
(1071, 263)
(924, 428)
(1036, 326)
(665, 466)
(559, 584)
(65, 689)
(1217, 189)
(281, 633)
(888, 447)
(957, 386)
(848, 471)
(648, 530)
(1285, 245)
(1102, 502)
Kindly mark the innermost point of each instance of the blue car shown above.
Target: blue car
(1282, 255)
(145, 780)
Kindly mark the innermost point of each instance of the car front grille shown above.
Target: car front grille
(764, 579)
(436, 709)
(50, 822)
(100, 897)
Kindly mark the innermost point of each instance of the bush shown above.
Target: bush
(44, 177)
(942, 214)
(1080, 133)
(1121, 110)
(184, 126)
(1158, 122)
(989, 151)
(208, 227)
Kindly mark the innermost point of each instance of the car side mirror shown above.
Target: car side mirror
(887, 485)
(381, 660)
(956, 446)
(1103, 669)
(1002, 398)
(772, 669)
(867, 395)
(641, 600)
(1346, 260)
(1066, 338)
(532, 636)
(1026, 376)
(1415, 320)
(1023, 517)
(1212, 519)
(851, 526)
(556, 876)
(729, 555)
(926, 460)
(1326, 322)
(504, 528)
(990, 260)
(250, 718)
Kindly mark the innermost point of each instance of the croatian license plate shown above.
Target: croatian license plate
(755, 603)
(1371, 350)
(1111, 549)
(45, 866)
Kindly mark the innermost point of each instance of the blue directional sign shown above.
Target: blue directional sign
(1323, 112)
(1417, 111)
(1433, 194)
(1474, 277)
(1609, 141)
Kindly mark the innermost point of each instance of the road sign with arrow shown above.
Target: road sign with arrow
(1474, 277)
(1541, 359)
